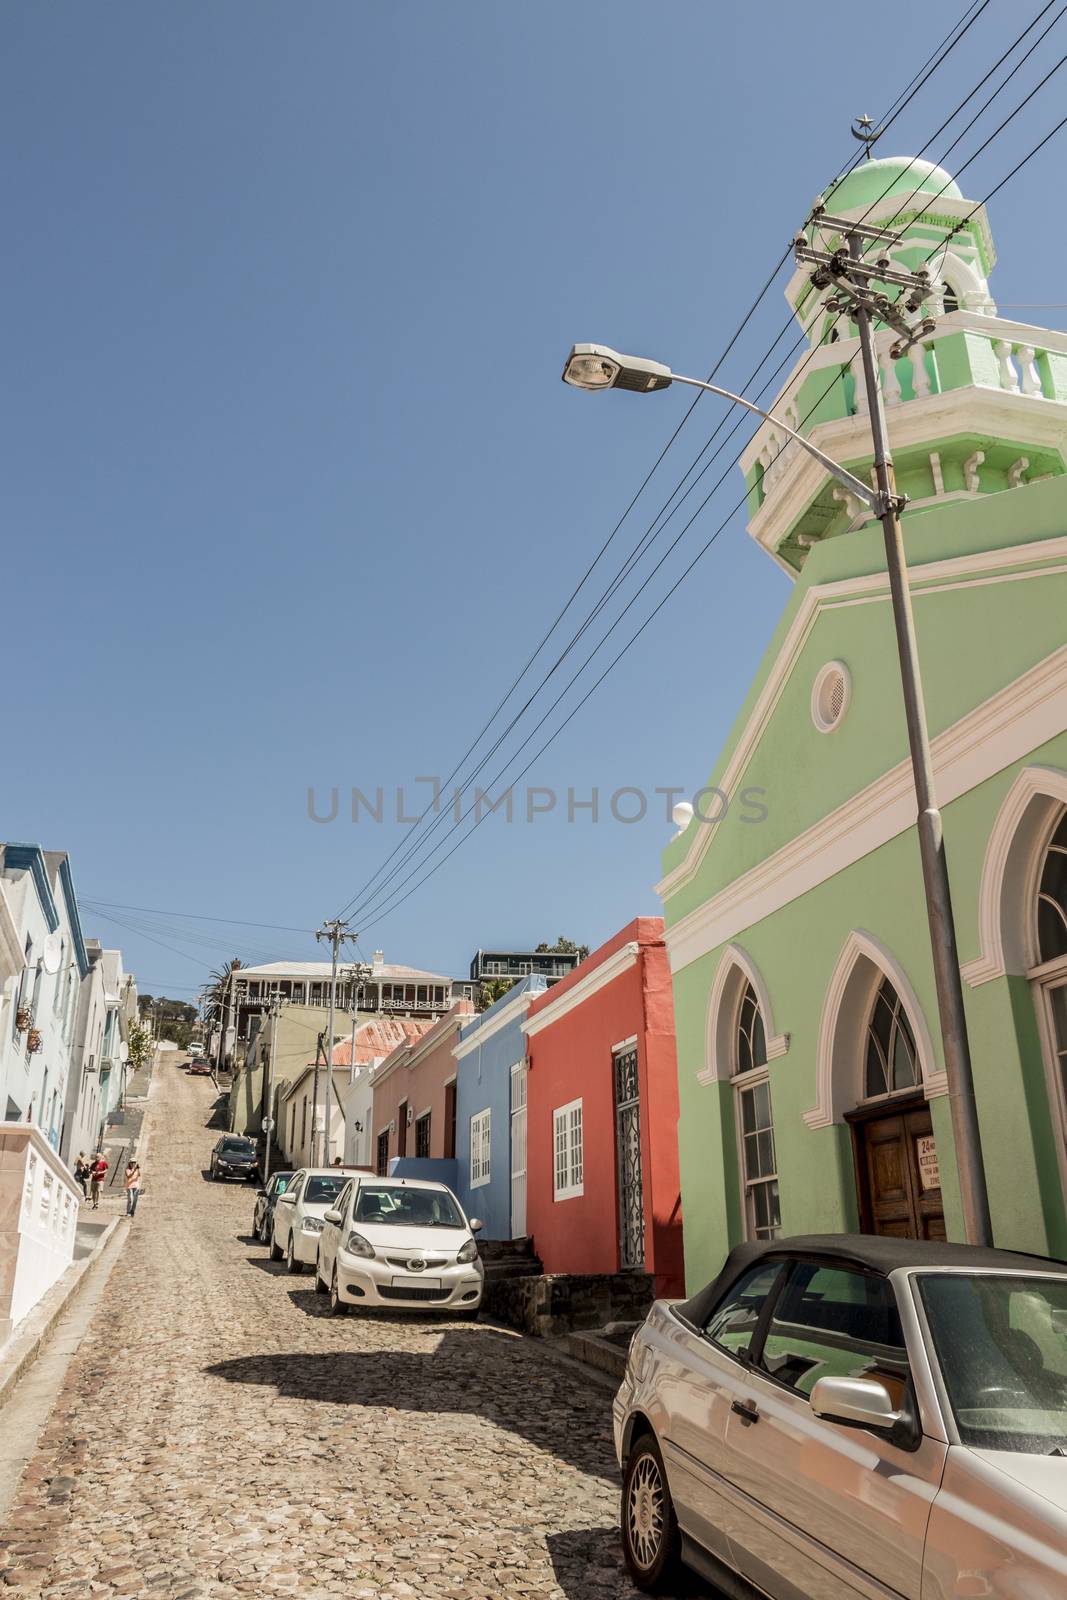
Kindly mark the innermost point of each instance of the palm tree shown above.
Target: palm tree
(216, 996)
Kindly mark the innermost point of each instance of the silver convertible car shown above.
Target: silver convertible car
(848, 1416)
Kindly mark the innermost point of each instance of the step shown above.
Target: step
(593, 1350)
(495, 1271)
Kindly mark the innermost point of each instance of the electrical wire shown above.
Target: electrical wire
(950, 41)
(378, 913)
(416, 847)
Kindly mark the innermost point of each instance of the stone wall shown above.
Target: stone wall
(557, 1303)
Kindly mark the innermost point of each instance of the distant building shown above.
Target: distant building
(393, 990)
(415, 1097)
(552, 965)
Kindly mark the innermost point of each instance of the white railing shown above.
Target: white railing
(39, 1202)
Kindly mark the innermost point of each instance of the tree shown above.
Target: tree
(492, 990)
(564, 947)
(141, 1045)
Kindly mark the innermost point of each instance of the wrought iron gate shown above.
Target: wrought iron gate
(628, 1161)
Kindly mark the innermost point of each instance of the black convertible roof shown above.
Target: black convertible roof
(868, 1250)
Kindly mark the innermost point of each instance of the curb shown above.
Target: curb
(30, 1339)
(535, 1349)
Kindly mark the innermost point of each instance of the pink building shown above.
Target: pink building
(414, 1091)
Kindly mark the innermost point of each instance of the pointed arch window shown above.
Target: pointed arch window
(891, 1060)
(755, 1121)
(1052, 898)
(1050, 974)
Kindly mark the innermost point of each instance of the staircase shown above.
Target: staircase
(508, 1258)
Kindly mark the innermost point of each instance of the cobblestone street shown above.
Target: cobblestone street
(219, 1434)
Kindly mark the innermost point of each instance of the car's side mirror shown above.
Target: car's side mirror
(287, 1199)
(332, 1216)
(475, 1224)
(862, 1403)
(261, 1190)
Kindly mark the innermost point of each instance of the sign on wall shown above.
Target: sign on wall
(929, 1171)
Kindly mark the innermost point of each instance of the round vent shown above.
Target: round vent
(830, 695)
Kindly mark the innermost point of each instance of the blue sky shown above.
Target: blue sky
(292, 487)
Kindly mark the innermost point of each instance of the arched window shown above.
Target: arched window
(1052, 898)
(1050, 975)
(755, 1122)
(891, 1061)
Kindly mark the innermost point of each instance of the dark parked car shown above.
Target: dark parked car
(234, 1157)
(263, 1216)
(200, 1067)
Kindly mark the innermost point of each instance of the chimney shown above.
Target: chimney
(379, 960)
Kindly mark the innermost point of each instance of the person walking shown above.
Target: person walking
(132, 1185)
(97, 1173)
(81, 1174)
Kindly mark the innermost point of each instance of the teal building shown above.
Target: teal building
(812, 1088)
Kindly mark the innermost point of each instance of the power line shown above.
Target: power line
(414, 848)
(378, 913)
(970, 15)
(197, 916)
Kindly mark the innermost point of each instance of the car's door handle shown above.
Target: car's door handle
(746, 1410)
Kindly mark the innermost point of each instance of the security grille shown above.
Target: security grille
(628, 1162)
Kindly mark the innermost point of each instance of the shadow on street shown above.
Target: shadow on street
(478, 1373)
(588, 1564)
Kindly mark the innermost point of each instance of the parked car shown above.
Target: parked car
(234, 1157)
(852, 1415)
(263, 1215)
(402, 1243)
(200, 1067)
(196, 1048)
(298, 1214)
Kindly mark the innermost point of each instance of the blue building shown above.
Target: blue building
(491, 1113)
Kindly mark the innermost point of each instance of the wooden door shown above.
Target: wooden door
(897, 1172)
(518, 1153)
(402, 1129)
(450, 1120)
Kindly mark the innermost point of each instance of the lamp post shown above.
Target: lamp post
(595, 367)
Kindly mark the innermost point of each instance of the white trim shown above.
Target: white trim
(834, 1094)
(12, 952)
(453, 1079)
(871, 587)
(624, 1044)
(564, 1115)
(606, 972)
(718, 1051)
(1002, 730)
(511, 1008)
(1022, 850)
(479, 1117)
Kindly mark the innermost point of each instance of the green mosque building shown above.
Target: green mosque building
(813, 1095)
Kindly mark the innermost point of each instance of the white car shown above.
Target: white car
(299, 1212)
(399, 1244)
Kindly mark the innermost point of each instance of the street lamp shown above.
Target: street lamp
(596, 366)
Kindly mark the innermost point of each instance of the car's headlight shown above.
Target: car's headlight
(468, 1252)
(312, 1224)
(356, 1245)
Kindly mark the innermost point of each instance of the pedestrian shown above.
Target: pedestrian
(81, 1174)
(132, 1185)
(97, 1173)
(337, 1161)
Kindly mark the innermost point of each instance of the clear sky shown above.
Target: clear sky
(291, 486)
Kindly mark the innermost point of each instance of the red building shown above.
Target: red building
(602, 1115)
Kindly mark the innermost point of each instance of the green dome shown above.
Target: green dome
(895, 175)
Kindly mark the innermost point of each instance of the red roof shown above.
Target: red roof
(377, 1036)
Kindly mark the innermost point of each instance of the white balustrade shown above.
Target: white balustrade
(37, 1241)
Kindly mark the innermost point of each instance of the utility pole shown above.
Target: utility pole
(851, 279)
(334, 932)
(268, 1122)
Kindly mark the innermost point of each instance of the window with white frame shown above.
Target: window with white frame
(759, 1163)
(567, 1147)
(480, 1142)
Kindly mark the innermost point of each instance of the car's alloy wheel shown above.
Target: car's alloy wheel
(338, 1308)
(291, 1263)
(650, 1537)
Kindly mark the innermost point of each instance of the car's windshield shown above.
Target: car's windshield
(410, 1207)
(238, 1147)
(324, 1189)
(1001, 1343)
